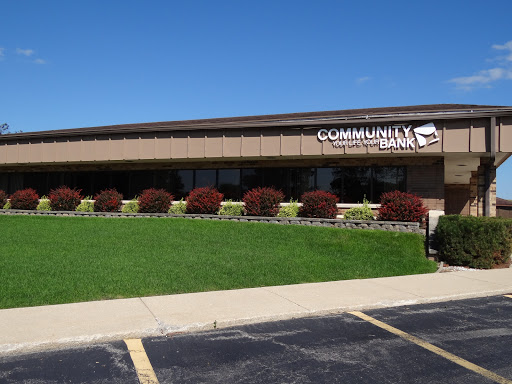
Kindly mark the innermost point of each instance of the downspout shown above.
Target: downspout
(492, 159)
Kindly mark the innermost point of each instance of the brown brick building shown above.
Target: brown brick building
(446, 153)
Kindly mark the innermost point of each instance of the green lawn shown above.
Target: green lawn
(51, 260)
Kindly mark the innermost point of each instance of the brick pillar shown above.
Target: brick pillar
(477, 207)
(492, 171)
(473, 194)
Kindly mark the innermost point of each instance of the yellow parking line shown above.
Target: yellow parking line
(432, 348)
(509, 296)
(141, 362)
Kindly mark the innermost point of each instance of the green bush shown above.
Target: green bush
(231, 209)
(44, 204)
(291, 210)
(477, 242)
(131, 207)
(7, 205)
(359, 213)
(87, 205)
(180, 208)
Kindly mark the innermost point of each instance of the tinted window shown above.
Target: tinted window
(356, 184)
(229, 183)
(206, 178)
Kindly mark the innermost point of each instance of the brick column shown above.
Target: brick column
(477, 207)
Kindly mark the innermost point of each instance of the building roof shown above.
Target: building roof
(503, 202)
(432, 111)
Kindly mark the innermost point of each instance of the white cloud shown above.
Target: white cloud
(40, 61)
(2, 54)
(363, 79)
(485, 77)
(24, 52)
(482, 78)
(507, 46)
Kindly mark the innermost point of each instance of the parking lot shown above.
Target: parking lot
(467, 341)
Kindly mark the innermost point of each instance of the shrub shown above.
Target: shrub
(180, 208)
(359, 213)
(64, 199)
(204, 200)
(7, 205)
(263, 201)
(44, 204)
(231, 209)
(131, 207)
(108, 200)
(478, 242)
(154, 201)
(401, 206)
(3, 198)
(291, 210)
(25, 199)
(87, 205)
(318, 204)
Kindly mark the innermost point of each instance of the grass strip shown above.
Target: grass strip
(53, 260)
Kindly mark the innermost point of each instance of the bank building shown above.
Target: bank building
(446, 153)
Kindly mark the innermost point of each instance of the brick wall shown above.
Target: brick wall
(427, 181)
(457, 199)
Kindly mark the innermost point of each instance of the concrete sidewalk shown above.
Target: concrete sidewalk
(37, 328)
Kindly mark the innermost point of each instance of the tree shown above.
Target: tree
(4, 129)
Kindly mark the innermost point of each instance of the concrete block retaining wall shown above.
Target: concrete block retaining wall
(396, 226)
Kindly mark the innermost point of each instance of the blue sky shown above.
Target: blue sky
(70, 64)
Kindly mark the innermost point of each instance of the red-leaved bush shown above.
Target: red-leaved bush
(401, 206)
(318, 204)
(154, 201)
(25, 199)
(64, 199)
(3, 198)
(263, 201)
(108, 200)
(204, 200)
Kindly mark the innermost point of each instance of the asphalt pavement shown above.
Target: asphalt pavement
(462, 341)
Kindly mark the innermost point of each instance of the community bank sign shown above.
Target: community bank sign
(385, 137)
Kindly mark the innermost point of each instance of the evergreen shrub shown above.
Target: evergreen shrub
(204, 200)
(154, 201)
(231, 208)
(25, 199)
(87, 205)
(180, 208)
(263, 201)
(64, 199)
(108, 200)
(291, 210)
(477, 242)
(131, 207)
(359, 213)
(44, 204)
(319, 204)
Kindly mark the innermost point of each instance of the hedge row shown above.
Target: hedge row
(477, 242)
(261, 201)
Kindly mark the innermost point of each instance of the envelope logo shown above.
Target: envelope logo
(426, 131)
